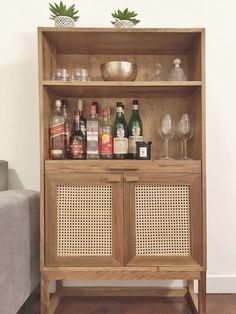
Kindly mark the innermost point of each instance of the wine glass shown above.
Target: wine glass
(185, 132)
(167, 132)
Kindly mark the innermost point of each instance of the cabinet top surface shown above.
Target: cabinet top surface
(120, 30)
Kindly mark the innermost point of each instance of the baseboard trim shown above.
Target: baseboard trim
(225, 283)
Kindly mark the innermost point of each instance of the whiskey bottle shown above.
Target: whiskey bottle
(77, 141)
(105, 137)
(135, 130)
(57, 133)
(120, 134)
(92, 134)
(67, 126)
(83, 120)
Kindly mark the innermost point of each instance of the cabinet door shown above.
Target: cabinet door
(163, 220)
(83, 219)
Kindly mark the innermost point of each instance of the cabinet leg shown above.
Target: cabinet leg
(202, 293)
(44, 294)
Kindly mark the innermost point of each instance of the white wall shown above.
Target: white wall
(19, 102)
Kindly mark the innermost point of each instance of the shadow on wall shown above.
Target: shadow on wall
(14, 182)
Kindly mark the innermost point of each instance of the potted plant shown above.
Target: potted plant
(63, 16)
(124, 19)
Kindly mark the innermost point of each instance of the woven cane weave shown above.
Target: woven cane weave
(162, 220)
(84, 220)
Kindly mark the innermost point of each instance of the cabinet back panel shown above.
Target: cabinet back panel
(146, 64)
(151, 112)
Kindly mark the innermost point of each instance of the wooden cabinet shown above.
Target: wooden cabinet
(128, 219)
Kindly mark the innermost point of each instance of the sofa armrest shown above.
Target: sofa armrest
(3, 175)
(19, 247)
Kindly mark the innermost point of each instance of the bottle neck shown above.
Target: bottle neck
(77, 120)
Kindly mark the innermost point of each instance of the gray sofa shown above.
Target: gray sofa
(19, 244)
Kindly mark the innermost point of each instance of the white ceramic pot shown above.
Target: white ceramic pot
(64, 21)
(123, 24)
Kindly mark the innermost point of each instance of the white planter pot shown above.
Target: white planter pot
(64, 21)
(123, 24)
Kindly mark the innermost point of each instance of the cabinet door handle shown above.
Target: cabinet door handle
(114, 179)
(122, 168)
(131, 178)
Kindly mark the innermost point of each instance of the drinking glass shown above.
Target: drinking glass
(185, 132)
(166, 132)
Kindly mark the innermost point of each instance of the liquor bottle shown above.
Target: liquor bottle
(67, 126)
(92, 134)
(135, 130)
(57, 133)
(105, 137)
(77, 141)
(120, 134)
(82, 120)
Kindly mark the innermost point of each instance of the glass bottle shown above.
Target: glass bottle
(57, 133)
(120, 134)
(135, 130)
(158, 73)
(92, 134)
(67, 126)
(77, 141)
(83, 120)
(177, 73)
(105, 137)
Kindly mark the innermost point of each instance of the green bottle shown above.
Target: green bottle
(135, 130)
(120, 135)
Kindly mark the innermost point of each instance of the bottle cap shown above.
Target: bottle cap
(93, 109)
(80, 104)
(119, 104)
(177, 62)
(104, 112)
(58, 103)
(64, 103)
(135, 102)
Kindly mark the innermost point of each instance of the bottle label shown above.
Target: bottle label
(105, 144)
(56, 152)
(120, 132)
(120, 145)
(136, 129)
(76, 148)
(143, 152)
(132, 143)
(92, 137)
(57, 130)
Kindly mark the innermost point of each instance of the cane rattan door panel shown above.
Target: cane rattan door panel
(161, 225)
(84, 219)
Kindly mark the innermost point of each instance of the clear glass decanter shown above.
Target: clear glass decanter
(177, 73)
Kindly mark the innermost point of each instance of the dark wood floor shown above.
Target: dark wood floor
(216, 304)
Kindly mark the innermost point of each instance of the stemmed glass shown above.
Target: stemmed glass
(167, 132)
(185, 132)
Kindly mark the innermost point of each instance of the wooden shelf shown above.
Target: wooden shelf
(122, 89)
(119, 41)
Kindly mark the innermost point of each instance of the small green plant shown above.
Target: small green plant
(62, 10)
(125, 15)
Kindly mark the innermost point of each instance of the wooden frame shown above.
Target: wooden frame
(58, 47)
(154, 178)
(51, 183)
